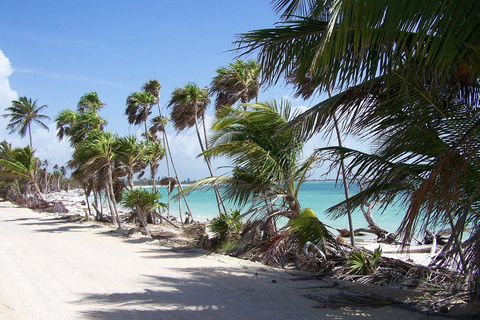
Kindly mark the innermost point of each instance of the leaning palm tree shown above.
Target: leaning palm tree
(22, 114)
(97, 155)
(405, 75)
(139, 105)
(22, 164)
(239, 82)
(188, 105)
(143, 202)
(267, 172)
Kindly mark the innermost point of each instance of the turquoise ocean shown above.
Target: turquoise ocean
(317, 195)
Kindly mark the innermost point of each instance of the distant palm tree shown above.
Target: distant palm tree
(239, 82)
(23, 113)
(89, 101)
(188, 105)
(139, 105)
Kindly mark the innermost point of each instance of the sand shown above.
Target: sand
(53, 269)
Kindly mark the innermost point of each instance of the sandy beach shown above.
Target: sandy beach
(53, 269)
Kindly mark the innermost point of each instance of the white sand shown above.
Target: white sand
(50, 269)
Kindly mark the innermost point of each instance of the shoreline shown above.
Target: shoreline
(418, 254)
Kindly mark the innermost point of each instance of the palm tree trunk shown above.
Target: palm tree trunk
(111, 196)
(30, 135)
(143, 220)
(174, 167)
(37, 191)
(344, 177)
(220, 203)
(86, 198)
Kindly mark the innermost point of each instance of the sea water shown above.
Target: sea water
(317, 195)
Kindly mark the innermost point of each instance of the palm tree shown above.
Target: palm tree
(405, 76)
(143, 202)
(154, 152)
(188, 105)
(158, 124)
(97, 154)
(23, 113)
(89, 101)
(267, 172)
(77, 125)
(237, 82)
(130, 154)
(139, 105)
(22, 164)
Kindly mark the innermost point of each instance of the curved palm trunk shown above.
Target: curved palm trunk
(37, 191)
(220, 203)
(344, 177)
(111, 196)
(173, 165)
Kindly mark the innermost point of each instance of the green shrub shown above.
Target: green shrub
(361, 263)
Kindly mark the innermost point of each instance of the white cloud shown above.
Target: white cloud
(6, 92)
(45, 142)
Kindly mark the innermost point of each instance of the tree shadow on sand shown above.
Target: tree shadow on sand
(223, 293)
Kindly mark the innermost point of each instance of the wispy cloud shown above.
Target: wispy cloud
(69, 77)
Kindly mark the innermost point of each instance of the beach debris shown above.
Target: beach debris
(348, 301)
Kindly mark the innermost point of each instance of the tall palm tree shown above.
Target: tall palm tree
(139, 105)
(77, 125)
(239, 82)
(22, 114)
(97, 154)
(406, 76)
(153, 86)
(188, 105)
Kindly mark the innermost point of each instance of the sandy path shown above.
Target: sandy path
(50, 269)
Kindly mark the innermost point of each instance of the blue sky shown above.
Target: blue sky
(56, 51)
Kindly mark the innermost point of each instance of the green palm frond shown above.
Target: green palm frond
(306, 227)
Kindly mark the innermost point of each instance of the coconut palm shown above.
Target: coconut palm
(139, 105)
(405, 75)
(97, 154)
(77, 125)
(22, 114)
(130, 154)
(143, 202)
(22, 164)
(239, 82)
(154, 152)
(158, 125)
(267, 172)
(188, 105)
